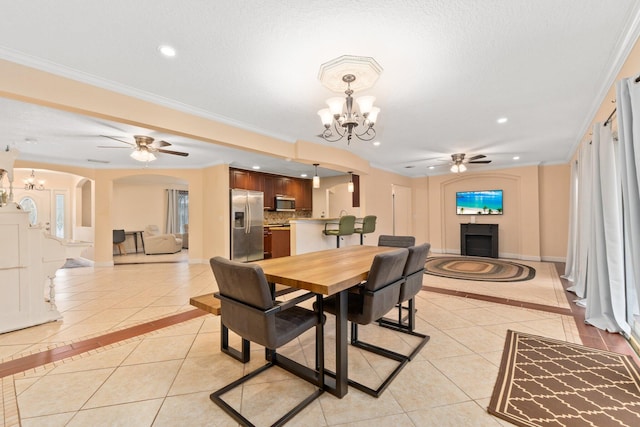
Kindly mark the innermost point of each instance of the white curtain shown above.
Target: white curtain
(605, 290)
(628, 105)
(583, 225)
(572, 244)
(173, 222)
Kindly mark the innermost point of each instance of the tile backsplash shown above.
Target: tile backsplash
(273, 217)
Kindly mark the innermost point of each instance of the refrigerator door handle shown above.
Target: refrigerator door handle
(247, 209)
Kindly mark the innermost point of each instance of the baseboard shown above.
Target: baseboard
(635, 344)
(103, 264)
(89, 261)
(554, 259)
(503, 255)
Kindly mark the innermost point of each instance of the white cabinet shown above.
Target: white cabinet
(29, 259)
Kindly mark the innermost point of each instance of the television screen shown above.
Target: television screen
(487, 202)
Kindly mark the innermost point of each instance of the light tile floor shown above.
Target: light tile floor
(164, 378)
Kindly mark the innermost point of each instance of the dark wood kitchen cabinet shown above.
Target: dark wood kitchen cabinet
(272, 185)
(245, 180)
(303, 192)
(280, 242)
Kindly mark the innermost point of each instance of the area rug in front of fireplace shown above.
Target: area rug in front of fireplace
(546, 382)
(479, 268)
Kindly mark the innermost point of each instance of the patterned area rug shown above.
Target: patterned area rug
(478, 268)
(545, 382)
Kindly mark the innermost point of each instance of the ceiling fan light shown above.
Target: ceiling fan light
(143, 156)
(462, 168)
(454, 169)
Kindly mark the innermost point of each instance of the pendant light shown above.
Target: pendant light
(316, 178)
(350, 185)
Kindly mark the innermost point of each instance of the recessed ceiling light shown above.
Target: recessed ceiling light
(432, 167)
(516, 157)
(303, 175)
(256, 167)
(167, 50)
(376, 143)
(502, 120)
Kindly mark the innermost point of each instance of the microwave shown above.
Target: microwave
(285, 204)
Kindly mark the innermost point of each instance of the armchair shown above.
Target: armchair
(157, 243)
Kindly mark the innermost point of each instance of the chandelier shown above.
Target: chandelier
(343, 117)
(32, 184)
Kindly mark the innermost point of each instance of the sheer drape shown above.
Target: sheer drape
(606, 305)
(173, 223)
(572, 244)
(628, 109)
(583, 217)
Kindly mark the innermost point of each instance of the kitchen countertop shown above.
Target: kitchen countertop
(314, 219)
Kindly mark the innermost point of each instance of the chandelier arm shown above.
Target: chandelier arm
(327, 134)
(367, 135)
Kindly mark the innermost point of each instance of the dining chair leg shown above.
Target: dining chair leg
(243, 355)
(355, 341)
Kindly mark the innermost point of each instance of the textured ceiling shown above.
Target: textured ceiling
(451, 68)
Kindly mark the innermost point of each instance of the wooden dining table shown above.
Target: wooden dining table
(328, 272)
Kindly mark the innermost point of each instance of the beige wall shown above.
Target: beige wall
(530, 195)
(534, 196)
(140, 204)
(534, 225)
(555, 189)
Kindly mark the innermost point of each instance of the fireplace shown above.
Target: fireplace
(479, 240)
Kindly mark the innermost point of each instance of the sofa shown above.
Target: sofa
(156, 242)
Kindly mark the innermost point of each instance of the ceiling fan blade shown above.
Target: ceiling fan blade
(119, 140)
(481, 161)
(477, 157)
(159, 144)
(177, 153)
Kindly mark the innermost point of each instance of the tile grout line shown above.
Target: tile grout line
(35, 360)
(498, 300)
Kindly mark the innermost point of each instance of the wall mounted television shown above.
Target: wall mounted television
(488, 202)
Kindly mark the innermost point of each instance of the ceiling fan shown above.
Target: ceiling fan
(459, 161)
(145, 147)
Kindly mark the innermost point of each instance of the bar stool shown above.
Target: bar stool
(366, 226)
(345, 228)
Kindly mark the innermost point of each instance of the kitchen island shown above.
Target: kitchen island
(307, 236)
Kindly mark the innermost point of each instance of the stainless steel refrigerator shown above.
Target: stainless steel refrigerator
(247, 228)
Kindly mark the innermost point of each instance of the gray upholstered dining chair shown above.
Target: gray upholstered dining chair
(345, 227)
(396, 241)
(370, 301)
(365, 226)
(413, 274)
(248, 309)
(119, 237)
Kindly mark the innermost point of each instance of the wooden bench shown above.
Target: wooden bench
(206, 302)
(210, 304)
